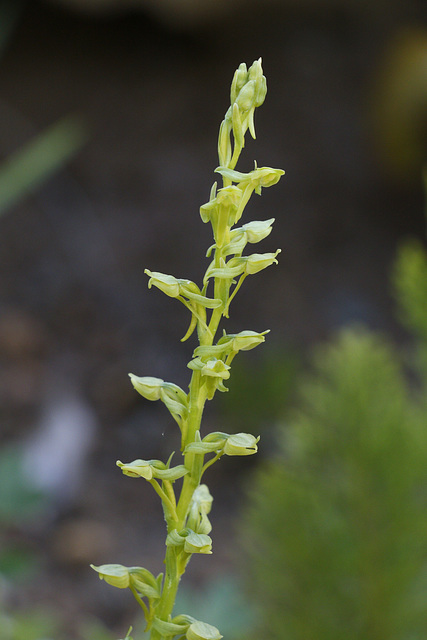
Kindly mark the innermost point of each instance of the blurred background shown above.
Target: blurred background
(109, 115)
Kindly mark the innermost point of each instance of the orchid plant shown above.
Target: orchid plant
(185, 499)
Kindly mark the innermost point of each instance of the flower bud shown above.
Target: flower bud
(224, 145)
(240, 78)
(261, 92)
(245, 99)
(237, 127)
(200, 506)
(202, 499)
(255, 70)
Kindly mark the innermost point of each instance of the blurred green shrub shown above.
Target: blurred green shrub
(336, 528)
(46, 624)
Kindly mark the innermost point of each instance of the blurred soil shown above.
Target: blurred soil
(76, 315)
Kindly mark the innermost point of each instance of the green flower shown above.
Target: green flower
(259, 261)
(213, 368)
(180, 288)
(254, 231)
(237, 444)
(241, 444)
(168, 284)
(214, 372)
(221, 212)
(250, 182)
(230, 344)
(147, 386)
(242, 266)
(137, 469)
(190, 541)
(115, 574)
(150, 469)
(202, 631)
(170, 394)
(243, 341)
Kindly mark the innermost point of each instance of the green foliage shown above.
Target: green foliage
(336, 525)
(410, 282)
(46, 624)
(221, 601)
(19, 503)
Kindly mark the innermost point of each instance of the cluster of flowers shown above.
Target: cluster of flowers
(188, 525)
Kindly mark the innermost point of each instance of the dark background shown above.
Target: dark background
(150, 87)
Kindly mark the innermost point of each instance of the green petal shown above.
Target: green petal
(202, 631)
(115, 574)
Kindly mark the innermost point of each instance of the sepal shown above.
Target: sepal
(150, 469)
(243, 341)
(221, 212)
(240, 78)
(255, 262)
(251, 232)
(170, 394)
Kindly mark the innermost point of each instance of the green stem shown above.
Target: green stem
(211, 462)
(165, 500)
(141, 603)
(197, 400)
(164, 607)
